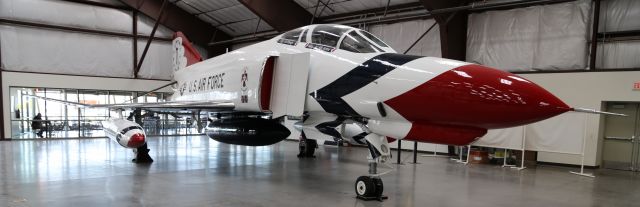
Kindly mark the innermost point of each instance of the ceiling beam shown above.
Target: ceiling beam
(282, 15)
(197, 30)
(453, 29)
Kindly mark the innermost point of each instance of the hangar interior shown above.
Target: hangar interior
(585, 52)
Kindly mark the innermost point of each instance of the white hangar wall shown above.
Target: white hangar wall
(41, 57)
(30, 49)
(587, 90)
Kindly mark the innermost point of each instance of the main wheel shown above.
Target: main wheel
(307, 147)
(312, 144)
(365, 187)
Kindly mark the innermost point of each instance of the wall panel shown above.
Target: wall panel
(67, 14)
(52, 51)
(158, 62)
(619, 15)
(551, 37)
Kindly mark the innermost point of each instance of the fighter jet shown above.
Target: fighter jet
(328, 75)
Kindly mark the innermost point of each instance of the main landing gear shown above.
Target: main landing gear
(307, 146)
(370, 187)
(142, 152)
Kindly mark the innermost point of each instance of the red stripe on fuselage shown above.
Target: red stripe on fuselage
(478, 97)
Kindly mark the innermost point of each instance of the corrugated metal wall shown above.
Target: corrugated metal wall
(32, 49)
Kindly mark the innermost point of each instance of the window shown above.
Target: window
(66, 121)
(373, 38)
(292, 35)
(353, 42)
(328, 35)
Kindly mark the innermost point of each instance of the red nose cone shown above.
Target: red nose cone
(136, 140)
(478, 96)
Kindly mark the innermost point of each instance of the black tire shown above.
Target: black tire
(378, 186)
(307, 148)
(365, 187)
(312, 144)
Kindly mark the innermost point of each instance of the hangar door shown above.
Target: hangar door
(621, 144)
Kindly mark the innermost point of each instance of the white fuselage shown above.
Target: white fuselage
(426, 99)
(325, 67)
(219, 79)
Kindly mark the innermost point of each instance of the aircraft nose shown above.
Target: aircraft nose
(136, 140)
(476, 95)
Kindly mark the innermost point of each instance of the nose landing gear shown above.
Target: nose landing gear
(370, 187)
(307, 146)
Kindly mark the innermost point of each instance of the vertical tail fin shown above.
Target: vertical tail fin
(184, 54)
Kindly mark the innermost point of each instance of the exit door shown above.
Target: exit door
(621, 145)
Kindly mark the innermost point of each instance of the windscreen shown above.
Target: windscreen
(373, 38)
(328, 35)
(353, 42)
(292, 35)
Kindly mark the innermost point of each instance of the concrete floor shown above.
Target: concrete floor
(196, 171)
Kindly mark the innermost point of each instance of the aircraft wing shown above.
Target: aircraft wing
(158, 106)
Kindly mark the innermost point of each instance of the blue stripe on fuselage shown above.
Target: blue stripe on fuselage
(330, 96)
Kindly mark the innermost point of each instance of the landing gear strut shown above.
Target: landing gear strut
(370, 187)
(142, 155)
(307, 146)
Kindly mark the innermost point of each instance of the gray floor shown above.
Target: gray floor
(196, 171)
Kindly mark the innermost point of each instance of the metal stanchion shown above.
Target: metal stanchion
(466, 161)
(399, 152)
(524, 141)
(415, 153)
(504, 160)
(584, 140)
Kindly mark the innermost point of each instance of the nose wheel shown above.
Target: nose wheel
(369, 188)
(307, 146)
(142, 155)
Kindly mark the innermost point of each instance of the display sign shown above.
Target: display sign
(636, 86)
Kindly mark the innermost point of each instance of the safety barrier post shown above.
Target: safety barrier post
(584, 140)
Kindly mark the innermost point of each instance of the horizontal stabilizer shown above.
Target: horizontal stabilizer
(592, 111)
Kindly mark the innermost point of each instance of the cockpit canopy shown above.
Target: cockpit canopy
(329, 37)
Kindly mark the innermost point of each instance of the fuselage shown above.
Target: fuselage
(404, 96)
